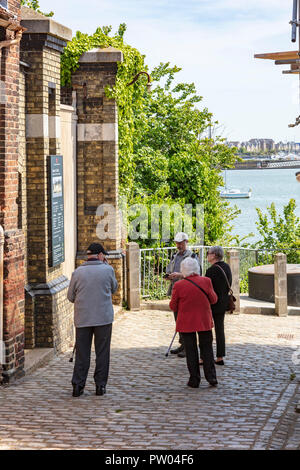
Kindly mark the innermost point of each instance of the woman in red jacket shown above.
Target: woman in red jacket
(192, 298)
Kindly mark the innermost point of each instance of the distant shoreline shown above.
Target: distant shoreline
(266, 165)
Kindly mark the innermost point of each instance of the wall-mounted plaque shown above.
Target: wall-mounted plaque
(57, 210)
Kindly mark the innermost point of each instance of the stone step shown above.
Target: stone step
(35, 358)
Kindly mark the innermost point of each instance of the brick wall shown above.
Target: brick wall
(97, 159)
(13, 312)
(49, 319)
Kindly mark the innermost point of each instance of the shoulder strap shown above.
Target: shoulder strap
(199, 288)
(229, 286)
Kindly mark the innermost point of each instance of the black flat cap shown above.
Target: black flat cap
(95, 249)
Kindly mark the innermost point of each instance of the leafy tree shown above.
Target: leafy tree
(34, 4)
(163, 153)
(168, 122)
(280, 232)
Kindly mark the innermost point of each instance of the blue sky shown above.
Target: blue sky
(214, 43)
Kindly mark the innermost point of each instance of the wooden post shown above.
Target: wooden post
(280, 285)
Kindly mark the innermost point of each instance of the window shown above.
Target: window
(3, 3)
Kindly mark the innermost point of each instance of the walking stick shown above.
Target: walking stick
(71, 358)
(167, 353)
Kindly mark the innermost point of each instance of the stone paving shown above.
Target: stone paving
(149, 406)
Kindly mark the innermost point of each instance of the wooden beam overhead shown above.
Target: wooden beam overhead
(278, 55)
(296, 71)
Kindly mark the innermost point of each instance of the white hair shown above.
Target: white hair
(189, 266)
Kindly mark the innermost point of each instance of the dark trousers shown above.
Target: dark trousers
(220, 334)
(192, 356)
(84, 336)
(180, 334)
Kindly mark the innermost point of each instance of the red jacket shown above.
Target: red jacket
(192, 305)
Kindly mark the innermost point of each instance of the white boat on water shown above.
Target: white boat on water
(235, 194)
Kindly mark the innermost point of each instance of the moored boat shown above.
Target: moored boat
(235, 194)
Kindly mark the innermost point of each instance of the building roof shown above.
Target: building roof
(8, 20)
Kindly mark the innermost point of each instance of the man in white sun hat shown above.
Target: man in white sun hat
(173, 271)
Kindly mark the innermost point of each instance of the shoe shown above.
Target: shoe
(192, 384)
(213, 383)
(100, 390)
(77, 390)
(220, 363)
(177, 350)
(182, 354)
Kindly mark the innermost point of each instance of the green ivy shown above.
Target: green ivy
(133, 62)
(34, 4)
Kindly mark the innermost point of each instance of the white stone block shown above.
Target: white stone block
(54, 127)
(107, 132)
(37, 125)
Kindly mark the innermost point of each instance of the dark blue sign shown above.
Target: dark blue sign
(57, 210)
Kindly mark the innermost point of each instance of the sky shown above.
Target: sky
(214, 42)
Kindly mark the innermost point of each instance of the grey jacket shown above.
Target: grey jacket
(171, 266)
(90, 290)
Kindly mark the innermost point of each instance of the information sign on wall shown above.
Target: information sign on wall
(57, 210)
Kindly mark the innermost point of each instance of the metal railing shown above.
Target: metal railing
(154, 262)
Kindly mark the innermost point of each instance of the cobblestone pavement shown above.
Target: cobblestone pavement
(149, 406)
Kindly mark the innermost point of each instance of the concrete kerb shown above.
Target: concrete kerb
(248, 306)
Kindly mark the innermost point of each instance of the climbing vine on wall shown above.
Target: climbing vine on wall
(128, 98)
(34, 4)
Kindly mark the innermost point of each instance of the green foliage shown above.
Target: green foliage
(186, 166)
(125, 96)
(163, 156)
(34, 4)
(280, 232)
(244, 285)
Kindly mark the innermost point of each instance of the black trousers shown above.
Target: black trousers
(220, 334)
(102, 338)
(180, 334)
(192, 356)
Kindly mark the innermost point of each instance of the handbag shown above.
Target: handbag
(231, 299)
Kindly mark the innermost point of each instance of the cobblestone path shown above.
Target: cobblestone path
(149, 406)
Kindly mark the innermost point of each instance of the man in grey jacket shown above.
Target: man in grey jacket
(90, 289)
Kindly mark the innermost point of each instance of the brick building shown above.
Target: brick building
(39, 120)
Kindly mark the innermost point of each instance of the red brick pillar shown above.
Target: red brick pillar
(13, 284)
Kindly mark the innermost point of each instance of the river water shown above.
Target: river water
(278, 186)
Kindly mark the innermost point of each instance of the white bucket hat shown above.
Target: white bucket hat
(180, 237)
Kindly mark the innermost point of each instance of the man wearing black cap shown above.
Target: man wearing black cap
(90, 289)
